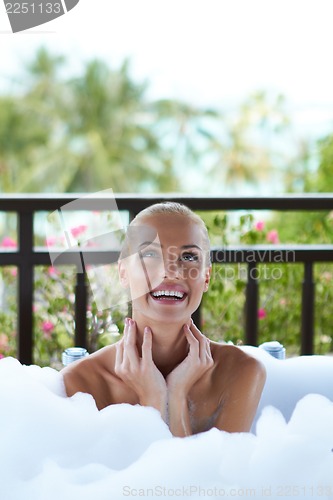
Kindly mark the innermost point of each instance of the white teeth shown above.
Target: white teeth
(168, 293)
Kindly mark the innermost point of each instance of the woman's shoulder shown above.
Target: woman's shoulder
(87, 370)
(226, 351)
(231, 359)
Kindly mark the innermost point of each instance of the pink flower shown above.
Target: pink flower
(13, 271)
(1, 356)
(8, 242)
(47, 328)
(259, 226)
(51, 241)
(76, 231)
(52, 271)
(261, 313)
(273, 236)
(3, 341)
(327, 276)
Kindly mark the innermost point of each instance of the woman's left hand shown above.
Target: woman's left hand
(196, 363)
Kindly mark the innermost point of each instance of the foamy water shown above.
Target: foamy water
(58, 448)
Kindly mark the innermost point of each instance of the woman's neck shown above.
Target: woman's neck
(170, 346)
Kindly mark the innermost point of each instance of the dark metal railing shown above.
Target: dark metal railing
(27, 256)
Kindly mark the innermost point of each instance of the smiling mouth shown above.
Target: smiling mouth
(168, 296)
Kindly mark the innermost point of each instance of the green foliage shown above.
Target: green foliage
(54, 324)
(99, 129)
(324, 178)
(8, 311)
(279, 312)
(280, 286)
(80, 134)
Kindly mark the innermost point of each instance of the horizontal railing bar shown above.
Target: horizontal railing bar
(69, 257)
(135, 202)
(276, 255)
(27, 257)
(281, 254)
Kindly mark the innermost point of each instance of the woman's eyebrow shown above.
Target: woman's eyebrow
(152, 243)
(191, 246)
(148, 243)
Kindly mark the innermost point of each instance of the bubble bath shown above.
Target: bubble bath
(53, 447)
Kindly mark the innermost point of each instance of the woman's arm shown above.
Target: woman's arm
(242, 396)
(178, 414)
(183, 377)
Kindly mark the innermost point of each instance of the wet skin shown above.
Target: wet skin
(163, 360)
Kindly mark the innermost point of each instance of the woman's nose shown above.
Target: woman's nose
(172, 269)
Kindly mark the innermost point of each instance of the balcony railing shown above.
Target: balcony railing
(27, 256)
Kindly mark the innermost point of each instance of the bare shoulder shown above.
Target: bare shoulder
(86, 374)
(236, 365)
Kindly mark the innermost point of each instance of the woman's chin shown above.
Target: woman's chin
(166, 316)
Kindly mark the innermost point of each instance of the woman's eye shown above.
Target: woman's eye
(149, 253)
(190, 257)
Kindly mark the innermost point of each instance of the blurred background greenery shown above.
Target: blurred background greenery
(99, 129)
(97, 126)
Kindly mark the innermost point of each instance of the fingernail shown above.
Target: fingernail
(126, 321)
(131, 322)
(146, 330)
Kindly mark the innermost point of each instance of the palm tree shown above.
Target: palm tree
(39, 147)
(20, 135)
(99, 130)
(83, 134)
(244, 151)
(186, 131)
(112, 129)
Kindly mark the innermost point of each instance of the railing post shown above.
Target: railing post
(251, 305)
(81, 300)
(196, 316)
(25, 289)
(307, 328)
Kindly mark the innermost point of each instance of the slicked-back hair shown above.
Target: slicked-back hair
(170, 208)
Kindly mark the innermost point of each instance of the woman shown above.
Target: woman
(163, 360)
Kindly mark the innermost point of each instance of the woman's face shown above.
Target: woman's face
(166, 272)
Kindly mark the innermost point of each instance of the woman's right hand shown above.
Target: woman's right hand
(140, 374)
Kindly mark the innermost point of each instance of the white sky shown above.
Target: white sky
(206, 51)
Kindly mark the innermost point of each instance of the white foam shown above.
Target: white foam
(290, 379)
(53, 447)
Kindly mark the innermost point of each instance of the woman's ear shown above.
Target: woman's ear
(122, 271)
(208, 273)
